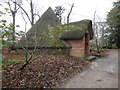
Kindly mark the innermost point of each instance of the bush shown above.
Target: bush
(114, 46)
(6, 63)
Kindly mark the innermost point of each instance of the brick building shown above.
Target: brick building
(74, 39)
(79, 39)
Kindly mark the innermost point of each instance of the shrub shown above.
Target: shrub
(114, 46)
(6, 63)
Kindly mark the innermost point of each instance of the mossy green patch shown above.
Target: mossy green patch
(6, 63)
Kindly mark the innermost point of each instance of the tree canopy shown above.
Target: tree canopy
(59, 10)
(113, 20)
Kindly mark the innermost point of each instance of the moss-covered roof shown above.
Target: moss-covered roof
(76, 34)
(77, 30)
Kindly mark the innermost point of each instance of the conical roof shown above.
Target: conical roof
(39, 34)
(39, 30)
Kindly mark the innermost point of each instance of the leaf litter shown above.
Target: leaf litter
(47, 71)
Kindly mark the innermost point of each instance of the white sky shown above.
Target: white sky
(83, 9)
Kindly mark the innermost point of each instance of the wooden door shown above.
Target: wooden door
(86, 44)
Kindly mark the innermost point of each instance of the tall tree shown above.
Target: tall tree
(113, 20)
(59, 10)
(100, 33)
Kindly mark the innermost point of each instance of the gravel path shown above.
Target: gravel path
(103, 73)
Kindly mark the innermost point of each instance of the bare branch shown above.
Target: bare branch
(25, 12)
(37, 15)
(9, 6)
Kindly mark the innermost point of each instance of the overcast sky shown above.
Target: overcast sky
(83, 9)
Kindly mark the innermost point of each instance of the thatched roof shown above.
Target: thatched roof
(77, 34)
(78, 31)
(38, 33)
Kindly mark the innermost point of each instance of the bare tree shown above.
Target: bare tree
(96, 33)
(13, 13)
(17, 5)
(100, 31)
(30, 17)
(28, 54)
(14, 6)
(68, 16)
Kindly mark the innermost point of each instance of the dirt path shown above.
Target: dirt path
(103, 73)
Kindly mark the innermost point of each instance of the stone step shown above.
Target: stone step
(91, 58)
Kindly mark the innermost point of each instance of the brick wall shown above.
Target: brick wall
(77, 49)
(12, 52)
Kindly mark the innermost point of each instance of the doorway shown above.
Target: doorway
(86, 44)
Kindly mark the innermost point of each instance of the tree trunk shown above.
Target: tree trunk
(13, 35)
(26, 63)
(32, 13)
(68, 17)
